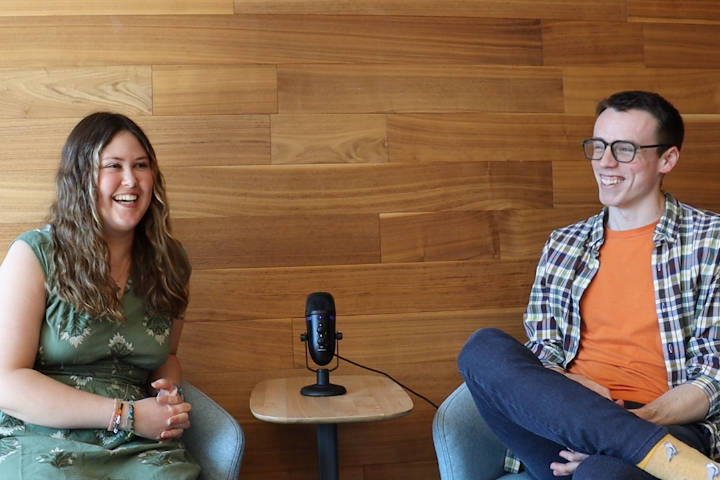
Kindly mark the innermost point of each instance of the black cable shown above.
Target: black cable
(391, 378)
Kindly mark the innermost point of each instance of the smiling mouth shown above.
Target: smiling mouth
(125, 199)
(610, 181)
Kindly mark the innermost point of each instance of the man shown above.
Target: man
(620, 377)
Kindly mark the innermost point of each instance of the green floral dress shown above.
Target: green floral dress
(101, 357)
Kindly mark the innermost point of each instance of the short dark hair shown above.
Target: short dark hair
(671, 129)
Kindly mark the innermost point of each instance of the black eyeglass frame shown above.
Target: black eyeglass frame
(612, 148)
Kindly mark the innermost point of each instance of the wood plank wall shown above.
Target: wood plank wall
(408, 156)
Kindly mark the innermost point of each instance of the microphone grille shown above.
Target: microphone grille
(319, 301)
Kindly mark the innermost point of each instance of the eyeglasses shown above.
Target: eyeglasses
(622, 151)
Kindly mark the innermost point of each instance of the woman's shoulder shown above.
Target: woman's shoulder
(40, 241)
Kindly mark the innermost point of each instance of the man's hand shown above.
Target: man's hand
(573, 460)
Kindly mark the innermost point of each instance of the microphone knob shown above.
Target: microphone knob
(321, 329)
(322, 341)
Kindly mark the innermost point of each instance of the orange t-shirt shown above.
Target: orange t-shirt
(620, 345)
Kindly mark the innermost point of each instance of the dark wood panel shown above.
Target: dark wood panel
(427, 470)
(212, 347)
(361, 289)
(575, 185)
(524, 232)
(411, 338)
(592, 43)
(285, 240)
(462, 137)
(682, 46)
(313, 139)
(267, 39)
(439, 236)
(688, 11)
(408, 89)
(568, 9)
(74, 92)
(209, 139)
(690, 90)
(112, 7)
(213, 90)
(353, 189)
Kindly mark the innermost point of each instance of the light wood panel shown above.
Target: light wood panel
(353, 189)
(690, 90)
(682, 46)
(213, 90)
(62, 92)
(111, 7)
(314, 139)
(689, 11)
(25, 196)
(462, 137)
(284, 240)
(48, 136)
(406, 89)
(609, 9)
(592, 43)
(361, 289)
(441, 236)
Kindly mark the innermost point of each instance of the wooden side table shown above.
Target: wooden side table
(368, 399)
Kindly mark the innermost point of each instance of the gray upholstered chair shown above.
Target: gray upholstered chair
(215, 438)
(466, 448)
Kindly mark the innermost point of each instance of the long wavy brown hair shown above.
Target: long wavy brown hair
(81, 258)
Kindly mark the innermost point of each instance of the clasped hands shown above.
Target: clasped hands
(164, 417)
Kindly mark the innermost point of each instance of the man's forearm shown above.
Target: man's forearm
(678, 406)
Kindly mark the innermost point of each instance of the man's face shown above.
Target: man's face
(633, 186)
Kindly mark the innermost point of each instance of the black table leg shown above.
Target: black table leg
(327, 451)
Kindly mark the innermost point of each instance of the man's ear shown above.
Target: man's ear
(669, 159)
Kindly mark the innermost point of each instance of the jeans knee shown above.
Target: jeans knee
(479, 350)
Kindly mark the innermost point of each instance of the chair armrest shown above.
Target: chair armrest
(214, 439)
(465, 447)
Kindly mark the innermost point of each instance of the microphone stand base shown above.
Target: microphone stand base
(329, 390)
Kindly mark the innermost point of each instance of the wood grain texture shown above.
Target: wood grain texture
(410, 89)
(209, 140)
(25, 196)
(439, 236)
(267, 39)
(393, 288)
(48, 136)
(283, 240)
(63, 92)
(462, 137)
(574, 185)
(354, 189)
(689, 90)
(593, 43)
(611, 9)
(690, 11)
(314, 139)
(213, 90)
(681, 46)
(111, 7)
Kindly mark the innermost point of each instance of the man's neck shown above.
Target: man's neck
(630, 218)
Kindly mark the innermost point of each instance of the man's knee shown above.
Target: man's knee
(478, 350)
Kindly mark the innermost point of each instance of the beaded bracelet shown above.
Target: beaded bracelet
(116, 416)
(130, 421)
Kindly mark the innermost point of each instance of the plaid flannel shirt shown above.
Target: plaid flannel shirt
(686, 274)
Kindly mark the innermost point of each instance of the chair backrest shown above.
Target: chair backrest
(214, 439)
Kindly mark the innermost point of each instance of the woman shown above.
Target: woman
(92, 310)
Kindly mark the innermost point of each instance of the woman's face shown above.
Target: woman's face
(125, 185)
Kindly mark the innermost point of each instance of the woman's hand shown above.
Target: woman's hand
(573, 460)
(162, 418)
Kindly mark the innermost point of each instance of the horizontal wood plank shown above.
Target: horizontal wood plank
(690, 90)
(681, 45)
(570, 9)
(439, 236)
(213, 90)
(48, 136)
(73, 92)
(353, 189)
(462, 137)
(689, 11)
(427, 470)
(411, 89)
(592, 43)
(267, 39)
(25, 196)
(112, 7)
(283, 240)
(361, 289)
(314, 139)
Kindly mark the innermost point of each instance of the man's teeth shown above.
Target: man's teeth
(125, 198)
(610, 181)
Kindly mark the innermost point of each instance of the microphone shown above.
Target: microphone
(320, 340)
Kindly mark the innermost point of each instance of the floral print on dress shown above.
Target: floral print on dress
(157, 326)
(155, 457)
(8, 446)
(57, 457)
(75, 328)
(119, 347)
(10, 425)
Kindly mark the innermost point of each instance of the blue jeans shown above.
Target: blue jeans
(537, 412)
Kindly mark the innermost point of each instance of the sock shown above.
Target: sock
(672, 459)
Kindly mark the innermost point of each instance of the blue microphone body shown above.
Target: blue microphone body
(320, 324)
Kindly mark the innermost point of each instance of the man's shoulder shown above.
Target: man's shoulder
(700, 220)
(578, 231)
